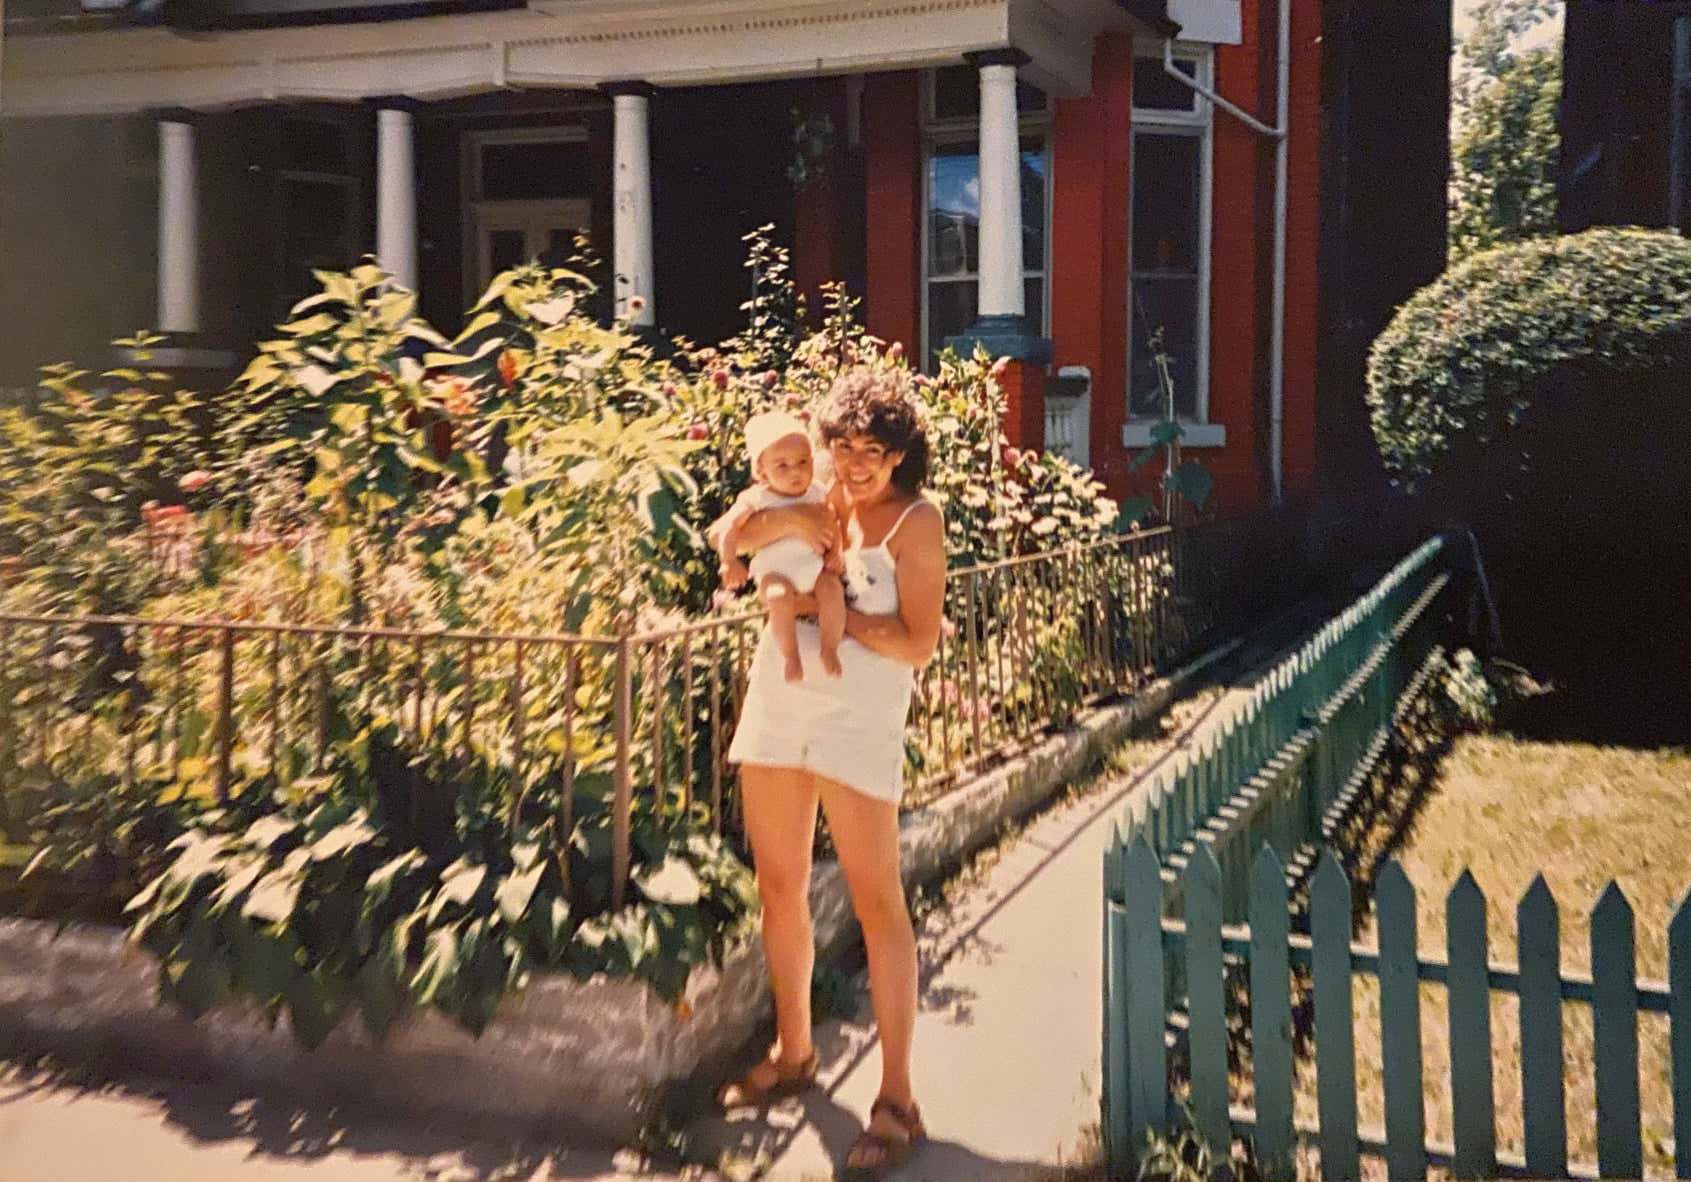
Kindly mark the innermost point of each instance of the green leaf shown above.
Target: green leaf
(342, 838)
(264, 832)
(673, 882)
(516, 891)
(1167, 431)
(273, 899)
(349, 417)
(437, 975)
(1132, 511)
(1192, 481)
(381, 994)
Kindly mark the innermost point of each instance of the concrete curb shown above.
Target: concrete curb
(582, 1059)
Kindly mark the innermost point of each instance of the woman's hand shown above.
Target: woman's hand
(814, 525)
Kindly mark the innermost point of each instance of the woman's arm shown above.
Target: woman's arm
(813, 524)
(912, 635)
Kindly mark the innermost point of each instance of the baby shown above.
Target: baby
(784, 472)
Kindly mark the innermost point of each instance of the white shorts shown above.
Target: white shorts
(848, 728)
(790, 558)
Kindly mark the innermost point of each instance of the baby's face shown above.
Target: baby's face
(786, 466)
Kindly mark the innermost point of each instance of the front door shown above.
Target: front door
(528, 194)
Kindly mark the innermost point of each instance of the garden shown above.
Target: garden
(399, 672)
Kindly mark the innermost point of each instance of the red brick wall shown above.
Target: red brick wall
(1091, 143)
(892, 149)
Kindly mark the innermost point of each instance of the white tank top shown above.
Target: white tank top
(871, 581)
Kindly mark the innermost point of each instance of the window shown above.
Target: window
(1169, 239)
(318, 202)
(951, 188)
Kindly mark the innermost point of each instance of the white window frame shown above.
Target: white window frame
(937, 131)
(1198, 123)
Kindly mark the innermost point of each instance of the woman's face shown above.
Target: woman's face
(864, 466)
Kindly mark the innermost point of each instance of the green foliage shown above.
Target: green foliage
(1464, 363)
(1506, 148)
(357, 899)
(1468, 700)
(545, 471)
(1184, 1156)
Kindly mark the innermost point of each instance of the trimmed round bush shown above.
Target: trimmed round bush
(1577, 322)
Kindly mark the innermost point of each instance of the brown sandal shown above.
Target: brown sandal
(789, 1079)
(894, 1150)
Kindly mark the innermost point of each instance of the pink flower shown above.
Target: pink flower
(668, 389)
(770, 377)
(895, 350)
(698, 431)
(194, 481)
(1000, 368)
(1012, 457)
(720, 378)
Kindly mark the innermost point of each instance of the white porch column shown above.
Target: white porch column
(396, 195)
(179, 227)
(631, 230)
(1001, 186)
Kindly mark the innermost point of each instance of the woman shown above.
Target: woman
(839, 741)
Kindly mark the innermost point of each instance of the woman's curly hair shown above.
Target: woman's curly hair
(864, 401)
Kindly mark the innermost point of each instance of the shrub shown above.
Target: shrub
(1468, 360)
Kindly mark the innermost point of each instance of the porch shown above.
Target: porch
(240, 160)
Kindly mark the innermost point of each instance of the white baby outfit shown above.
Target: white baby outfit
(795, 560)
(848, 728)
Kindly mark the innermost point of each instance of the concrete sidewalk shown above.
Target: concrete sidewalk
(1009, 1029)
(58, 1130)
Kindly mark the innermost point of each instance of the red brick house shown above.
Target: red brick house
(1260, 179)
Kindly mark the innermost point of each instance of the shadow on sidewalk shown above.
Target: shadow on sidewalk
(210, 1113)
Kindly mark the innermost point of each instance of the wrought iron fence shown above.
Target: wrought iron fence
(214, 707)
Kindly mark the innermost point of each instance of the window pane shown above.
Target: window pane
(1154, 90)
(1172, 305)
(1033, 203)
(528, 172)
(954, 194)
(951, 310)
(957, 92)
(954, 209)
(1033, 300)
(507, 249)
(1166, 204)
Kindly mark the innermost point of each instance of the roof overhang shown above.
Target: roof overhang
(550, 43)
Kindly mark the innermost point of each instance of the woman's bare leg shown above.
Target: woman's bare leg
(865, 832)
(780, 814)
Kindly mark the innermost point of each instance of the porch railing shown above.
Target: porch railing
(215, 706)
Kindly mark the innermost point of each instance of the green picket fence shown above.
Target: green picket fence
(1141, 941)
(1285, 768)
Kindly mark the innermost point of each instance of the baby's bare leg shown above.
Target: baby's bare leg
(777, 592)
(831, 615)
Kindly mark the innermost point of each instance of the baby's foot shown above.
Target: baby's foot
(831, 662)
(794, 670)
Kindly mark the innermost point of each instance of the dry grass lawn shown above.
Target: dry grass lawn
(1508, 809)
